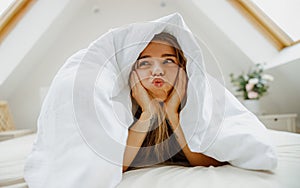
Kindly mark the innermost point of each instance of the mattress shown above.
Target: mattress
(13, 155)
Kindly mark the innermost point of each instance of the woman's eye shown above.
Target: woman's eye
(144, 63)
(168, 61)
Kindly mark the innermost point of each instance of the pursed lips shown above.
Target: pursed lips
(158, 81)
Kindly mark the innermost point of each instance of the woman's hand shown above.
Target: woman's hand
(141, 95)
(177, 95)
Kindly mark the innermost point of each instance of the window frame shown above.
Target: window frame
(12, 15)
(278, 37)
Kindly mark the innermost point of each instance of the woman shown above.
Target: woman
(158, 88)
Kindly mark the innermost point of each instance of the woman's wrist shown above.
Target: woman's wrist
(172, 115)
(145, 115)
(173, 119)
(143, 123)
(171, 111)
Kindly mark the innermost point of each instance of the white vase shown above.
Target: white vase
(253, 106)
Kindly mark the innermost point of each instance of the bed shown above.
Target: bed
(13, 154)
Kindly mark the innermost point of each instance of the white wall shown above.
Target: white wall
(284, 95)
(26, 34)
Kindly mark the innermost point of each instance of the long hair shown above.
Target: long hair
(159, 123)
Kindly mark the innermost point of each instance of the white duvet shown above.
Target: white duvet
(83, 124)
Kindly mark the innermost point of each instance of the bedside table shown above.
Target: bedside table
(280, 122)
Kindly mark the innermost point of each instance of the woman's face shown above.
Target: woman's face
(157, 68)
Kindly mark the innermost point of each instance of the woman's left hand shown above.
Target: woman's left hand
(177, 95)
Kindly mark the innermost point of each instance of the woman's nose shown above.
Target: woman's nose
(157, 70)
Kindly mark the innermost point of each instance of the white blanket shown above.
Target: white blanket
(83, 124)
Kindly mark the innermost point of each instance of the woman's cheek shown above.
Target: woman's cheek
(142, 74)
(171, 79)
(143, 78)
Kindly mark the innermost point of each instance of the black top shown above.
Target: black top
(175, 156)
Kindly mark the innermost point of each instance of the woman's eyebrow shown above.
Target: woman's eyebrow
(167, 55)
(163, 55)
(144, 56)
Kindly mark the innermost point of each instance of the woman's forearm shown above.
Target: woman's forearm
(195, 159)
(136, 136)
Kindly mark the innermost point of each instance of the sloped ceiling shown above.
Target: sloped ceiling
(32, 35)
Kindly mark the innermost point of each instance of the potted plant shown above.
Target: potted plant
(252, 86)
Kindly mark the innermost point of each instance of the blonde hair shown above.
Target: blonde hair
(158, 135)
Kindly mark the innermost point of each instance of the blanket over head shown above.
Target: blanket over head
(84, 121)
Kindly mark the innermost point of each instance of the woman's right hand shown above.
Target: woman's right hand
(142, 97)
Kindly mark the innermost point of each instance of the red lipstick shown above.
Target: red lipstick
(158, 82)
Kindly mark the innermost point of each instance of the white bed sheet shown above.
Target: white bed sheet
(13, 154)
(287, 175)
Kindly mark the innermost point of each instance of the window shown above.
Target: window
(10, 12)
(278, 18)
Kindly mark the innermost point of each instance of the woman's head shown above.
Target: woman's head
(158, 64)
